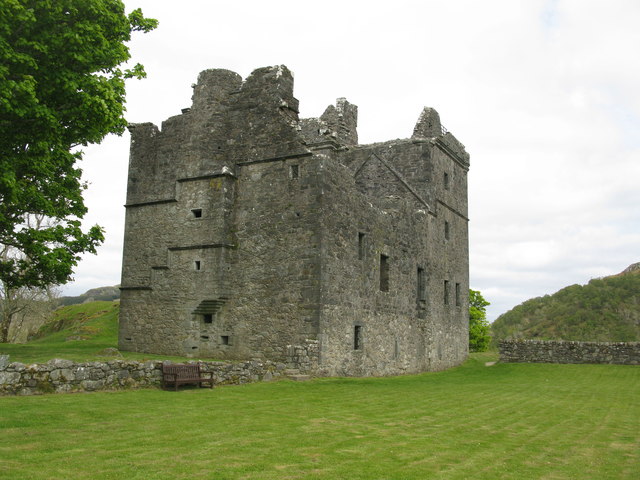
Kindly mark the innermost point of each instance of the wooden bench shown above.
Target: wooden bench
(182, 374)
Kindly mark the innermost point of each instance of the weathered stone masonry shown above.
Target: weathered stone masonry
(64, 376)
(541, 351)
(251, 233)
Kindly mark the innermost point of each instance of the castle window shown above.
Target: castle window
(294, 171)
(207, 318)
(446, 230)
(196, 212)
(197, 265)
(457, 294)
(422, 286)
(446, 292)
(224, 339)
(384, 273)
(357, 337)
(446, 181)
(360, 246)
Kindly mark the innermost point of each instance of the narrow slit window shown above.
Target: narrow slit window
(357, 337)
(196, 212)
(446, 181)
(446, 230)
(294, 171)
(446, 292)
(197, 265)
(422, 285)
(458, 300)
(361, 246)
(384, 273)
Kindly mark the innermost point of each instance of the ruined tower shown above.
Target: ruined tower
(251, 233)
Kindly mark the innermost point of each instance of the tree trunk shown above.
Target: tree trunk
(4, 327)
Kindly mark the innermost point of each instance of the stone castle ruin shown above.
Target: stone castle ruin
(254, 234)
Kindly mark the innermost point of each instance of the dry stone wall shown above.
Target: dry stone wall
(539, 351)
(64, 376)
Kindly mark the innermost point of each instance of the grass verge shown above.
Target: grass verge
(508, 421)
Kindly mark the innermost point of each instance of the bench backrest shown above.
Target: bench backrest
(182, 370)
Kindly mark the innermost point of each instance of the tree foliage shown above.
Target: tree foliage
(605, 310)
(479, 338)
(61, 86)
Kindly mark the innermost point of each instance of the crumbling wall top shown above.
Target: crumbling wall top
(428, 125)
(214, 89)
(271, 86)
(338, 125)
(343, 119)
(259, 117)
(217, 89)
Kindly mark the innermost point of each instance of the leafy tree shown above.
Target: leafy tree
(479, 337)
(61, 87)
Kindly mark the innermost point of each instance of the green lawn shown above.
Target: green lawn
(508, 421)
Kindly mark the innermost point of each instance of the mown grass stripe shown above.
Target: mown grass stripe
(507, 421)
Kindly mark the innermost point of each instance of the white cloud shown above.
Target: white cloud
(543, 94)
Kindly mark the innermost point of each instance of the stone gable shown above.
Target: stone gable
(253, 234)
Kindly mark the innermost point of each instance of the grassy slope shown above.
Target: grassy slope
(77, 332)
(509, 421)
(605, 310)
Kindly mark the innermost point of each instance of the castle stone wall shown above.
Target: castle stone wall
(402, 332)
(540, 351)
(267, 231)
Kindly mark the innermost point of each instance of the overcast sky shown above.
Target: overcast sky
(545, 94)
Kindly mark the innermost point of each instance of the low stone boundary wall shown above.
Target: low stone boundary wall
(541, 351)
(64, 376)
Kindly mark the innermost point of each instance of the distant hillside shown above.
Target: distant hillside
(106, 294)
(605, 310)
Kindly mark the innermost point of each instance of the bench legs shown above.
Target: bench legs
(201, 384)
